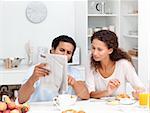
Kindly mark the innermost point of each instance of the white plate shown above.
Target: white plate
(108, 99)
(127, 101)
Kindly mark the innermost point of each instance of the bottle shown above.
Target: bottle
(29, 51)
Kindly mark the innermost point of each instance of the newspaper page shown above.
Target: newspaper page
(57, 79)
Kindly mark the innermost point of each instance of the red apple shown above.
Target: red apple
(14, 111)
(3, 106)
(11, 105)
(24, 109)
(6, 111)
(19, 106)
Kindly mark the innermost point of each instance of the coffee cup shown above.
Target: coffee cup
(65, 100)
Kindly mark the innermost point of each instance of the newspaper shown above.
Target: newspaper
(57, 79)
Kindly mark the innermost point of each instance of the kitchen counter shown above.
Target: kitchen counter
(89, 106)
(12, 76)
(15, 75)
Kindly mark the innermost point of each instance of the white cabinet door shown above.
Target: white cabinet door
(12, 76)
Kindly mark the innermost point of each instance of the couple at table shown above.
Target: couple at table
(109, 69)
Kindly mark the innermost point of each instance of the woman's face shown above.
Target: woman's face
(99, 50)
(64, 48)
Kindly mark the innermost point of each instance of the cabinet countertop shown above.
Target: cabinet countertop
(12, 76)
(22, 68)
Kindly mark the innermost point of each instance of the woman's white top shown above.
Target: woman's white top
(124, 72)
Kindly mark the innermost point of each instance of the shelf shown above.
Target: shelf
(89, 36)
(21, 69)
(102, 15)
(124, 17)
(130, 15)
(131, 36)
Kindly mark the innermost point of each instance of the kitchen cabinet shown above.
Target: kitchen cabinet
(129, 28)
(119, 16)
(12, 76)
(107, 19)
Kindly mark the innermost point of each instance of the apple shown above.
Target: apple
(24, 109)
(11, 105)
(6, 111)
(3, 106)
(19, 106)
(14, 111)
(26, 105)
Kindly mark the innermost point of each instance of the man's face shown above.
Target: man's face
(64, 48)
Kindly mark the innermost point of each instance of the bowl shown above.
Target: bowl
(12, 62)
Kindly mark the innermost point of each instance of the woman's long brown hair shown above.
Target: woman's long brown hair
(111, 41)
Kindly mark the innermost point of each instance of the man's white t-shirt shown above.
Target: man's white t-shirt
(45, 94)
(124, 72)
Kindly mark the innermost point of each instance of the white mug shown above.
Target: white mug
(65, 100)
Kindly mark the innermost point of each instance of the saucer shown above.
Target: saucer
(127, 101)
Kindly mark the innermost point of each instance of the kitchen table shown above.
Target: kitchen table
(89, 106)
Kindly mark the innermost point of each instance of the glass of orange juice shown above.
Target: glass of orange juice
(144, 99)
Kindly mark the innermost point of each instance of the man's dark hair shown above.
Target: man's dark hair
(63, 38)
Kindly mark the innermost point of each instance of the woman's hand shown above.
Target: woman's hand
(79, 87)
(112, 86)
(136, 93)
(40, 71)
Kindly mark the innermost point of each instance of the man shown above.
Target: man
(31, 90)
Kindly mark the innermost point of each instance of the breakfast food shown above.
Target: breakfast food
(122, 96)
(81, 112)
(7, 106)
(72, 111)
(114, 102)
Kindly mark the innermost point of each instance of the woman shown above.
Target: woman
(110, 67)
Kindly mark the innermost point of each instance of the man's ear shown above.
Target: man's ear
(51, 51)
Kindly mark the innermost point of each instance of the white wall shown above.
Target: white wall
(16, 30)
(144, 41)
(81, 28)
(0, 28)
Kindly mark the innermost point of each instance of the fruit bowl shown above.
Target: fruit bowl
(8, 106)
